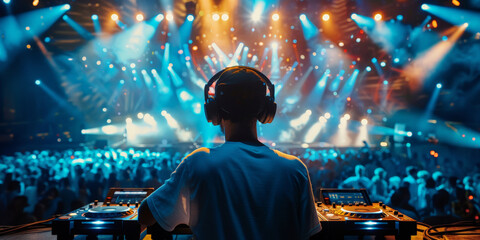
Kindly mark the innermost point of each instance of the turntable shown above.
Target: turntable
(116, 216)
(350, 212)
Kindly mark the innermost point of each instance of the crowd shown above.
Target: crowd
(37, 185)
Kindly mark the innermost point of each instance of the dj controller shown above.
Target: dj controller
(345, 212)
(116, 216)
(342, 212)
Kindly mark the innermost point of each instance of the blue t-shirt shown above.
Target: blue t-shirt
(238, 191)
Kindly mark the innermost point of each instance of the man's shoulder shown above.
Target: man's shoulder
(295, 161)
(199, 152)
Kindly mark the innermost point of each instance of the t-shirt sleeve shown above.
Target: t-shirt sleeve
(309, 211)
(170, 204)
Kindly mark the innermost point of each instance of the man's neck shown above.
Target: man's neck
(240, 131)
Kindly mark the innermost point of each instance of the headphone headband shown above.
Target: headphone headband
(218, 76)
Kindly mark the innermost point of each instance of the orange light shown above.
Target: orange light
(35, 3)
(377, 17)
(139, 17)
(275, 17)
(326, 17)
(194, 48)
(432, 152)
(28, 46)
(436, 155)
(434, 24)
(349, 99)
(456, 3)
(114, 17)
(470, 197)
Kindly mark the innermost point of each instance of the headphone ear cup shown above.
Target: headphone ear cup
(268, 112)
(211, 111)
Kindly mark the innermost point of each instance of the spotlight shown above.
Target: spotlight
(377, 17)
(94, 17)
(128, 120)
(225, 17)
(215, 17)
(364, 122)
(274, 45)
(190, 17)
(65, 7)
(303, 17)
(38, 82)
(326, 17)
(169, 16)
(139, 17)
(346, 116)
(6, 1)
(439, 85)
(275, 17)
(35, 3)
(114, 17)
(425, 7)
(159, 17)
(353, 16)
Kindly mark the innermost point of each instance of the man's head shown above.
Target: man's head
(239, 94)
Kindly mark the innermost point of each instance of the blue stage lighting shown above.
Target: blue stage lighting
(303, 17)
(6, 1)
(385, 82)
(190, 17)
(368, 68)
(399, 17)
(47, 39)
(65, 17)
(425, 7)
(94, 17)
(374, 60)
(383, 64)
(439, 85)
(66, 7)
(396, 60)
(38, 82)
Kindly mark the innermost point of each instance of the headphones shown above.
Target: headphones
(211, 105)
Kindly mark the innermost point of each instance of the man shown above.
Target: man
(241, 189)
(358, 181)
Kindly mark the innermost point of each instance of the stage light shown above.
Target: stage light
(327, 115)
(128, 120)
(35, 3)
(353, 16)
(383, 144)
(110, 129)
(38, 82)
(257, 11)
(114, 17)
(215, 17)
(377, 17)
(346, 116)
(275, 17)
(439, 85)
(190, 17)
(139, 17)
(274, 45)
(326, 17)
(364, 122)
(456, 3)
(140, 115)
(425, 7)
(225, 17)
(159, 17)
(6, 1)
(94, 17)
(368, 68)
(303, 17)
(169, 16)
(66, 7)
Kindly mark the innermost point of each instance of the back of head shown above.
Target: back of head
(359, 170)
(240, 94)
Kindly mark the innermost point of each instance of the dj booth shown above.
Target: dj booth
(343, 213)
